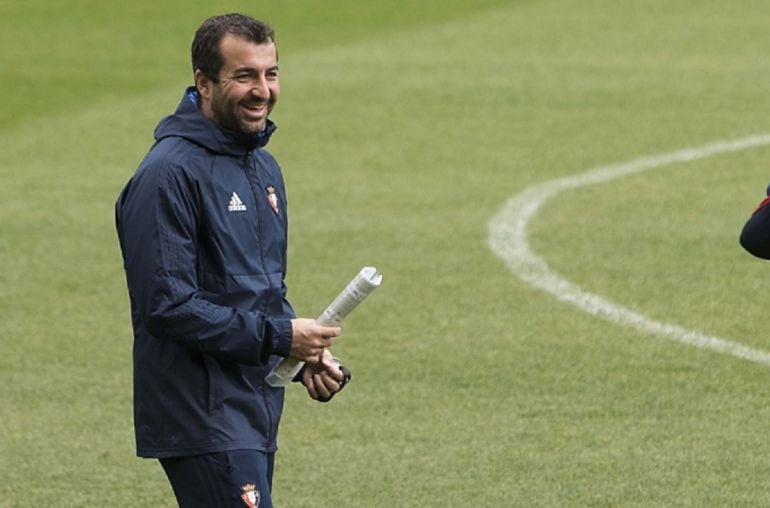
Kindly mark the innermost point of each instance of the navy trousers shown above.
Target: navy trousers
(232, 479)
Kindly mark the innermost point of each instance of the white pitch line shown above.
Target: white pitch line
(508, 240)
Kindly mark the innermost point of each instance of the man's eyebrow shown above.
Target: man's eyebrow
(252, 70)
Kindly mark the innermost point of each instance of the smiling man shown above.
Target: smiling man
(202, 227)
(244, 91)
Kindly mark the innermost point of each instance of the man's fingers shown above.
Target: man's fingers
(307, 380)
(322, 383)
(324, 332)
(327, 359)
(330, 383)
(335, 373)
(332, 331)
(321, 389)
(308, 337)
(315, 356)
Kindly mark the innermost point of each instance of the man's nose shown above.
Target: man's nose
(259, 88)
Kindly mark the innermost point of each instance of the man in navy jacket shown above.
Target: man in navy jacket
(203, 229)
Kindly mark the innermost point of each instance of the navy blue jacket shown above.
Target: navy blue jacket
(755, 236)
(202, 228)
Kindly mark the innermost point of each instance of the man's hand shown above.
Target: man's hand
(325, 378)
(309, 340)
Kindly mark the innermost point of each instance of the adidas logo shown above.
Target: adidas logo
(236, 205)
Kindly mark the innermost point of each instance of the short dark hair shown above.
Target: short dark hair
(205, 46)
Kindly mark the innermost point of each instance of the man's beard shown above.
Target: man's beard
(226, 115)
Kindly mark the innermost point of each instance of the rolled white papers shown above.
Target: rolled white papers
(367, 280)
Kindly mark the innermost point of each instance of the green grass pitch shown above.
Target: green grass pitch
(403, 129)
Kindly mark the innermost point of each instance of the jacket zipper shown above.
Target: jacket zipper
(250, 164)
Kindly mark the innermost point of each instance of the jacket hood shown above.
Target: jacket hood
(188, 122)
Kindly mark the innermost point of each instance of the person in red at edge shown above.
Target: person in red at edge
(755, 236)
(203, 230)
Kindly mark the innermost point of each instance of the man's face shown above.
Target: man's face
(248, 86)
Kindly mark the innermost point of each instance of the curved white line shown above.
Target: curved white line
(508, 240)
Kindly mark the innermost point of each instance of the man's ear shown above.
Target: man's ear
(203, 84)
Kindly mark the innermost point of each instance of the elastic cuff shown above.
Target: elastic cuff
(281, 337)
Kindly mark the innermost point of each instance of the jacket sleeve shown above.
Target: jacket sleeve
(157, 221)
(755, 236)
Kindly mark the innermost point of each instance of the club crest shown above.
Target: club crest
(272, 198)
(250, 495)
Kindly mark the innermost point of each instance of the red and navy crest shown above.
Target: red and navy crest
(272, 198)
(250, 495)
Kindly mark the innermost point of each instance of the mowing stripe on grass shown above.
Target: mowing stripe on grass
(508, 240)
